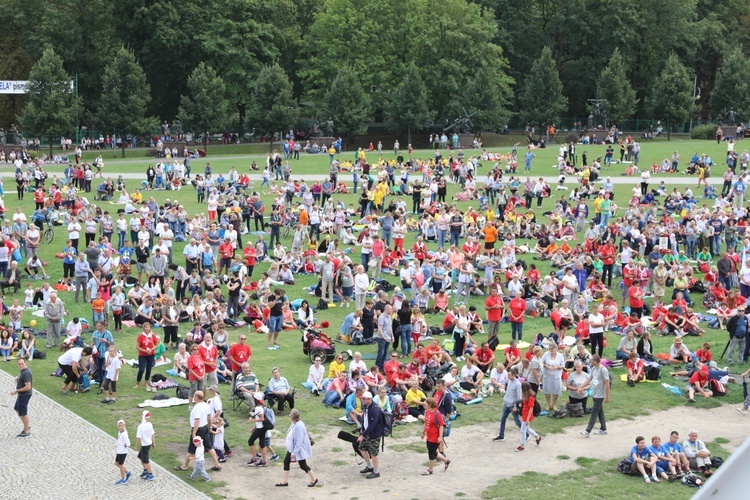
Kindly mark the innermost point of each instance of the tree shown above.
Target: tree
(732, 89)
(52, 108)
(672, 94)
(541, 101)
(409, 105)
(125, 97)
(613, 86)
(272, 105)
(486, 96)
(347, 104)
(205, 107)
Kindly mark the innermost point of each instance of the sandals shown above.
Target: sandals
(313, 484)
(428, 472)
(447, 463)
(215, 468)
(177, 467)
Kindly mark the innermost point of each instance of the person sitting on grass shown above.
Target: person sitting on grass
(336, 393)
(498, 380)
(698, 382)
(437, 353)
(665, 459)
(484, 358)
(415, 399)
(697, 454)
(643, 460)
(678, 352)
(635, 369)
(354, 407)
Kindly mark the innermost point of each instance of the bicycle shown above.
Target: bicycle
(49, 233)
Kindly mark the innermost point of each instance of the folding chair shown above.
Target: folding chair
(239, 400)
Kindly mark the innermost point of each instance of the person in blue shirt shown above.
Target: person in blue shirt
(674, 448)
(529, 156)
(664, 459)
(69, 261)
(354, 407)
(644, 461)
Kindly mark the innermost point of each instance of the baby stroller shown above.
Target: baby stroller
(317, 344)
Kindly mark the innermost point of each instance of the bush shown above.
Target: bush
(702, 132)
(571, 137)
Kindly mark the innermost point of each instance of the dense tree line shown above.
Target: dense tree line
(411, 62)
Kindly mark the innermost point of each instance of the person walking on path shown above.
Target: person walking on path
(123, 443)
(372, 433)
(23, 391)
(527, 415)
(512, 395)
(434, 427)
(144, 440)
(599, 381)
(299, 448)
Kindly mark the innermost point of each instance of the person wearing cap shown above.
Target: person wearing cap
(737, 326)
(200, 435)
(123, 443)
(678, 352)
(200, 462)
(372, 433)
(258, 417)
(144, 441)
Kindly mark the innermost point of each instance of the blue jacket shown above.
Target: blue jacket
(373, 418)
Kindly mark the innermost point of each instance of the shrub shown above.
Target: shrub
(571, 137)
(702, 132)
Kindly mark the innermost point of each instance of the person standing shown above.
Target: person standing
(327, 271)
(495, 309)
(23, 393)
(385, 335)
(517, 311)
(372, 433)
(54, 312)
(146, 344)
(299, 449)
(144, 440)
(512, 396)
(599, 381)
(737, 326)
(434, 427)
(527, 415)
(123, 443)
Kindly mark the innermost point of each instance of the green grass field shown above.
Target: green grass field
(171, 423)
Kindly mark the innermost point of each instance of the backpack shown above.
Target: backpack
(401, 411)
(322, 305)
(717, 388)
(493, 342)
(692, 480)
(625, 467)
(39, 354)
(182, 392)
(716, 462)
(269, 418)
(575, 409)
(537, 407)
(387, 424)
(653, 372)
(428, 384)
(385, 285)
(356, 337)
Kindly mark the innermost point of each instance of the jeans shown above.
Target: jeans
(604, 219)
(387, 237)
(516, 329)
(507, 410)
(716, 245)
(145, 364)
(366, 260)
(690, 243)
(441, 237)
(455, 238)
(332, 398)
(526, 430)
(405, 339)
(621, 355)
(597, 412)
(382, 352)
(740, 345)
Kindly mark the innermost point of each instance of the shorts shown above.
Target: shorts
(120, 458)
(225, 262)
(347, 291)
(124, 269)
(196, 385)
(204, 434)
(22, 404)
(143, 454)
(432, 450)
(259, 434)
(371, 446)
(489, 246)
(109, 385)
(142, 267)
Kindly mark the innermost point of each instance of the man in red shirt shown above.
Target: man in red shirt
(437, 353)
(607, 252)
(226, 252)
(495, 309)
(635, 369)
(517, 310)
(209, 354)
(698, 381)
(238, 354)
(704, 353)
(248, 253)
(196, 372)
(485, 357)
(512, 354)
(635, 296)
(391, 366)
(628, 274)
(421, 355)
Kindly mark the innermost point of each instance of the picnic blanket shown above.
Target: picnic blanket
(163, 403)
(164, 384)
(521, 345)
(624, 378)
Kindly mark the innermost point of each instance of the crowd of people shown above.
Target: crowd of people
(465, 265)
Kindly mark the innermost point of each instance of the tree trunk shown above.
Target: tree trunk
(50, 148)
(205, 143)
(123, 148)
(669, 130)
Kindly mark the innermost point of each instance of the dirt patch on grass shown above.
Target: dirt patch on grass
(477, 461)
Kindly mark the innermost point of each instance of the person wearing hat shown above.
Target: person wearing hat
(144, 441)
(200, 462)
(217, 411)
(372, 433)
(679, 353)
(258, 417)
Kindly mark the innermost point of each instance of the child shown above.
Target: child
(145, 439)
(217, 429)
(123, 442)
(112, 365)
(200, 461)
(29, 296)
(73, 331)
(267, 442)
(97, 306)
(527, 415)
(16, 315)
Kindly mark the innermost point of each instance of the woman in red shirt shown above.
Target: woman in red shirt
(527, 415)
(635, 295)
(607, 252)
(146, 343)
(704, 353)
(517, 310)
(434, 426)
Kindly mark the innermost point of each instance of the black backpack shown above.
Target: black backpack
(322, 305)
(653, 372)
(537, 407)
(182, 392)
(575, 409)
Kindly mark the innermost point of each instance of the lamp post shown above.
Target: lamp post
(696, 97)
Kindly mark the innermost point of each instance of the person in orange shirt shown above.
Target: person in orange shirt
(304, 218)
(97, 306)
(490, 237)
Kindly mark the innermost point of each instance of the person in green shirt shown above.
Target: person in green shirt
(598, 264)
(704, 257)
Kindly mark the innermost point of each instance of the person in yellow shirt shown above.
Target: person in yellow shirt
(598, 208)
(415, 399)
(489, 215)
(137, 197)
(361, 154)
(337, 366)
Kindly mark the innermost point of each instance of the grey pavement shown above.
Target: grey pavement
(68, 457)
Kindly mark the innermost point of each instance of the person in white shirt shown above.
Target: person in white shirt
(361, 283)
(200, 424)
(123, 443)
(357, 364)
(144, 441)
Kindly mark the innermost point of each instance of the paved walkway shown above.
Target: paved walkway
(67, 457)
